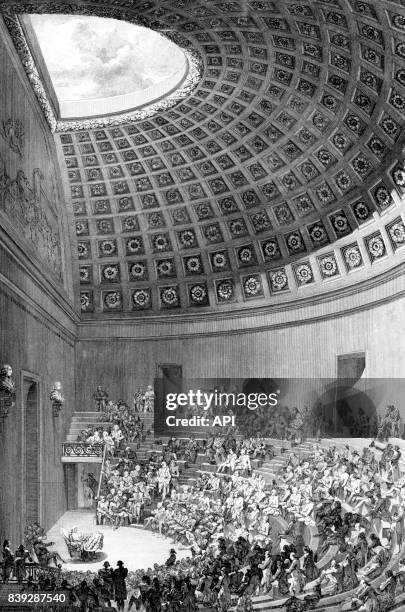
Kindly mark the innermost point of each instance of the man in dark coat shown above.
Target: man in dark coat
(172, 558)
(106, 574)
(8, 561)
(120, 587)
(20, 559)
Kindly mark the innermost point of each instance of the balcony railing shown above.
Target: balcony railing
(82, 449)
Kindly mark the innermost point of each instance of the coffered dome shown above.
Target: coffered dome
(278, 176)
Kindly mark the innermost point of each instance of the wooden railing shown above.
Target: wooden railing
(32, 570)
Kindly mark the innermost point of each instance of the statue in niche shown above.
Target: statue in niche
(7, 388)
(100, 397)
(12, 130)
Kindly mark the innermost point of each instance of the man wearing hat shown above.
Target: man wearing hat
(172, 558)
(120, 587)
(106, 575)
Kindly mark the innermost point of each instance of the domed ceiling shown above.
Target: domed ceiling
(281, 170)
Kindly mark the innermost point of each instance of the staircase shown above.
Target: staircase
(189, 472)
(270, 469)
(82, 420)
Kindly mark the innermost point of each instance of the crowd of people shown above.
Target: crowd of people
(123, 427)
(248, 537)
(121, 424)
(286, 423)
(389, 424)
(142, 401)
(283, 423)
(129, 487)
(245, 536)
(33, 551)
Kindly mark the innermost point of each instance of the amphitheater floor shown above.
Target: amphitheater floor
(137, 547)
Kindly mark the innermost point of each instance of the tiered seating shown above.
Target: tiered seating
(271, 469)
(264, 603)
(83, 420)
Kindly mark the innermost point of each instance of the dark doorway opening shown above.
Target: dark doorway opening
(31, 396)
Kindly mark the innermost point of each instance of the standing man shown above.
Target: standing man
(120, 586)
(100, 397)
(172, 558)
(107, 576)
(8, 561)
(149, 399)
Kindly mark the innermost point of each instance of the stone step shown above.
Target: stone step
(280, 445)
(78, 427)
(96, 416)
(208, 467)
(189, 471)
(273, 464)
(266, 470)
(269, 467)
(97, 423)
(72, 437)
(88, 418)
(305, 452)
(278, 460)
(92, 412)
(267, 476)
(97, 419)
